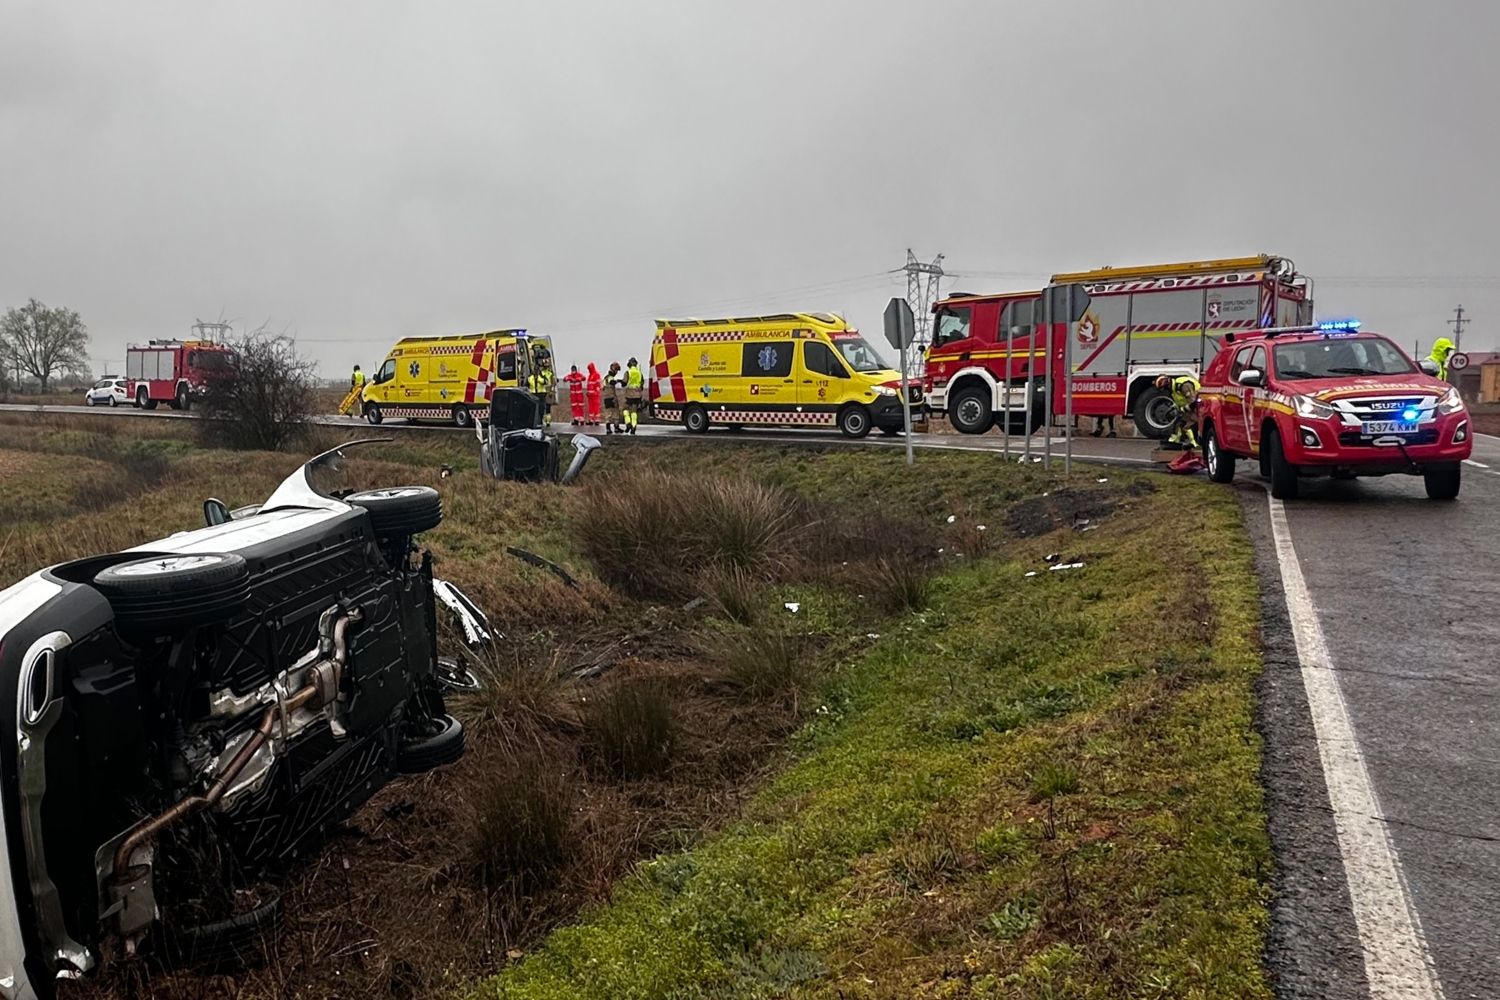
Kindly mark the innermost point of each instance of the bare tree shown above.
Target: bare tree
(264, 400)
(43, 342)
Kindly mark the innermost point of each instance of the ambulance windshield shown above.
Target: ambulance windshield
(859, 354)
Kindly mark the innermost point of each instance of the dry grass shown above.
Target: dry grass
(632, 728)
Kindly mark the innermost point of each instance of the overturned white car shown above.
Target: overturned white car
(194, 713)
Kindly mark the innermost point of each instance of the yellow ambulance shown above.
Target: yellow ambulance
(802, 369)
(448, 378)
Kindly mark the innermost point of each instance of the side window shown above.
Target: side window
(1017, 318)
(767, 359)
(952, 324)
(387, 371)
(1241, 362)
(821, 361)
(1258, 361)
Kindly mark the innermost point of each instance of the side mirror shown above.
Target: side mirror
(215, 512)
(1252, 377)
(1428, 366)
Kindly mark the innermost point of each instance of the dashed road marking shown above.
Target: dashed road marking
(1397, 962)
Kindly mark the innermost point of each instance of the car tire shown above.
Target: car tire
(167, 593)
(183, 401)
(89, 401)
(463, 417)
(1154, 413)
(1220, 462)
(1442, 482)
(969, 410)
(435, 742)
(373, 414)
(400, 510)
(695, 419)
(1284, 483)
(854, 421)
(113, 402)
(455, 678)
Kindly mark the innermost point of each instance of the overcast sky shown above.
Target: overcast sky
(359, 171)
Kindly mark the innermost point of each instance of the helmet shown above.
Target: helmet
(1163, 381)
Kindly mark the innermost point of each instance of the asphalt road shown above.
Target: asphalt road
(1403, 591)
(1135, 451)
(1379, 708)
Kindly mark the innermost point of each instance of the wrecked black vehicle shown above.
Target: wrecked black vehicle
(194, 714)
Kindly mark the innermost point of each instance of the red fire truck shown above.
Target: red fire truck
(993, 355)
(174, 371)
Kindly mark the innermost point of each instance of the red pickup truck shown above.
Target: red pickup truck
(1330, 400)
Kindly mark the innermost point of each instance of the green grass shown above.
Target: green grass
(1042, 787)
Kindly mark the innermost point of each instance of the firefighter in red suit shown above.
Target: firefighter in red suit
(596, 394)
(574, 379)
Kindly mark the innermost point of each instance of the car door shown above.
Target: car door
(380, 391)
(1249, 425)
(1231, 426)
(822, 378)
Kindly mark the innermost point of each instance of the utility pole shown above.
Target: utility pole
(923, 288)
(1457, 322)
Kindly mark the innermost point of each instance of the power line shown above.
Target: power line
(923, 288)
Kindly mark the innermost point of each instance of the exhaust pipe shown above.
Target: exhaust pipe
(130, 884)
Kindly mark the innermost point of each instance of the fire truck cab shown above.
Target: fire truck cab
(1113, 331)
(174, 371)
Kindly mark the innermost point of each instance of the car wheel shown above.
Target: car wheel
(695, 419)
(1284, 485)
(430, 743)
(854, 421)
(373, 414)
(400, 510)
(969, 410)
(456, 678)
(1220, 463)
(1443, 481)
(113, 402)
(183, 400)
(1155, 413)
(89, 401)
(168, 593)
(462, 416)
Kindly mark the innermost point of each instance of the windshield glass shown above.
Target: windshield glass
(210, 361)
(1332, 358)
(859, 354)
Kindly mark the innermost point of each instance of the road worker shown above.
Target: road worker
(1442, 350)
(1184, 389)
(356, 390)
(575, 381)
(357, 380)
(634, 395)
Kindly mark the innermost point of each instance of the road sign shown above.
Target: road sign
(1458, 361)
(900, 324)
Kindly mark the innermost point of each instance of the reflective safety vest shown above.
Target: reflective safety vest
(633, 378)
(1184, 391)
(356, 380)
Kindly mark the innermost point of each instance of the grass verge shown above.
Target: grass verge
(1044, 788)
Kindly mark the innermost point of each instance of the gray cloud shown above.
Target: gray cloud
(358, 172)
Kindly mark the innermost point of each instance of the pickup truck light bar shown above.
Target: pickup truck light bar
(1345, 326)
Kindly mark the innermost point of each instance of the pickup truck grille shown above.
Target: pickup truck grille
(1387, 407)
(1355, 439)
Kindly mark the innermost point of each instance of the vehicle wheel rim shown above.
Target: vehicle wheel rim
(968, 411)
(1159, 414)
(1212, 448)
(167, 564)
(855, 421)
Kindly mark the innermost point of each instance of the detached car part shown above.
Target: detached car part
(513, 444)
(194, 714)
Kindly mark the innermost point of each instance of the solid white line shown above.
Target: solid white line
(1477, 465)
(1397, 963)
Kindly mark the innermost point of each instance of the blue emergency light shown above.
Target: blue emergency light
(1335, 325)
(1410, 414)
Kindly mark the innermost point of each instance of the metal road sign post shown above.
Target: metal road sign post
(900, 331)
(1010, 359)
(1047, 387)
(1068, 384)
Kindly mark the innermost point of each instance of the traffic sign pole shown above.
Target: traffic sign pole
(900, 331)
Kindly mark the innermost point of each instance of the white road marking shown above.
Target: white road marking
(1397, 962)
(1477, 465)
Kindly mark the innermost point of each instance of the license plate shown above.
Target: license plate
(1373, 427)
